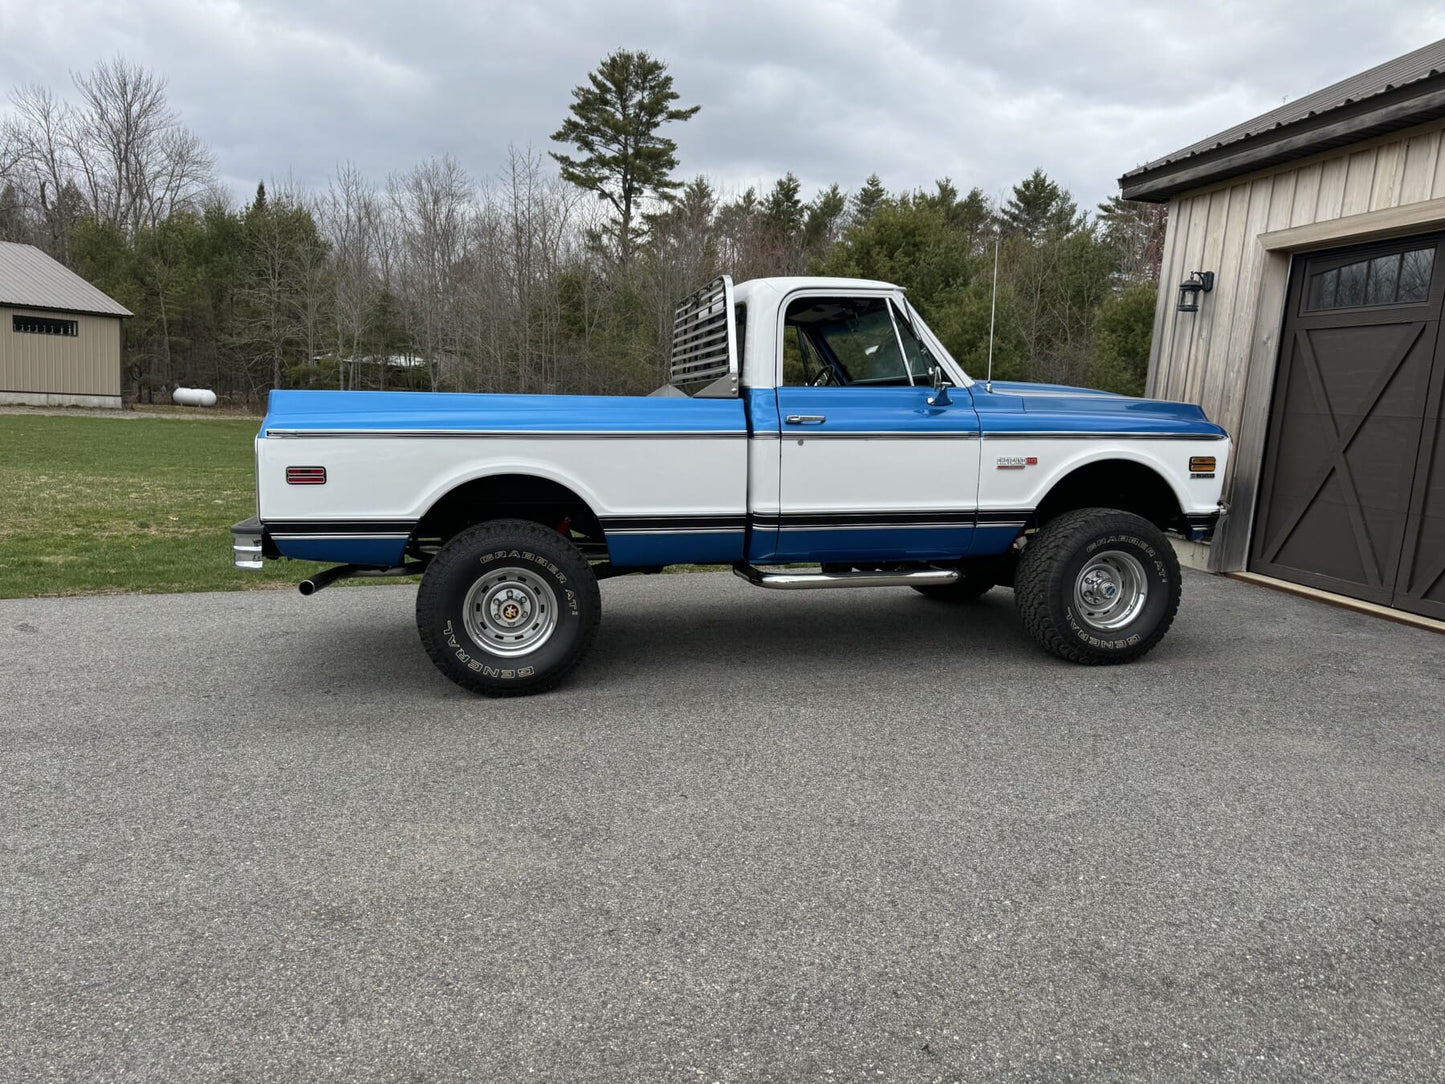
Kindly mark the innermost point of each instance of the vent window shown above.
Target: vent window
(44, 325)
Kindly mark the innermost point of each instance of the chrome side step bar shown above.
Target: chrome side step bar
(812, 581)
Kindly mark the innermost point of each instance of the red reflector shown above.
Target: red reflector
(306, 476)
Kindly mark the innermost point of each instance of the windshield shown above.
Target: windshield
(856, 341)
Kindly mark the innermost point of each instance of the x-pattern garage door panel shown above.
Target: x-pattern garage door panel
(1422, 572)
(1341, 507)
(1353, 399)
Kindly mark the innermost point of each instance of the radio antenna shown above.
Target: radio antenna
(993, 296)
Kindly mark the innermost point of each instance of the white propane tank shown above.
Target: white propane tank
(193, 397)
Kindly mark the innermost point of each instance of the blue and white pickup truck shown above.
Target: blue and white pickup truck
(809, 422)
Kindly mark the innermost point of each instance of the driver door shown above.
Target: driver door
(870, 470)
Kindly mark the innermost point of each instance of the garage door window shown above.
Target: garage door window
(1400, 278)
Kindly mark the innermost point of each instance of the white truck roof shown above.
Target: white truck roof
(779, 285)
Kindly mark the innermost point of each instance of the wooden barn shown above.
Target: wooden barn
(60, 337)
(1301, 303)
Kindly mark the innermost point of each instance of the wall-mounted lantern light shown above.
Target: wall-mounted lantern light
(1189, 290)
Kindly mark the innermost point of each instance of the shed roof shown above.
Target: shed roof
(30, 279)
(1407, 90)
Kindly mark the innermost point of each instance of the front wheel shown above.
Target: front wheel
(1098, 586)
(507, 608)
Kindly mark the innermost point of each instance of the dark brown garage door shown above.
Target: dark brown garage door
(1353, 499)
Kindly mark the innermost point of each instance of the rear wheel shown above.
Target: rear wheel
(1098, 586)
(507, 608)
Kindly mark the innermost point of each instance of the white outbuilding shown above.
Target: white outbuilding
(60, 337)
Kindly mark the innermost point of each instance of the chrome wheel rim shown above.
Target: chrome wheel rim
(1110, 590)
(510, 611)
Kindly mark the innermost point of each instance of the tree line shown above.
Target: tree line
(558, 274)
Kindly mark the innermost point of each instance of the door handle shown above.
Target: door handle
(806, 419)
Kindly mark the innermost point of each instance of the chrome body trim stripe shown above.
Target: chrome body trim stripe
(738, 529)
(875, 526)
(308, 536)
(715, 434)
(359, 525)
(1045, 435)
(691, 523)
(879, 434)
(958, 516)
(507, 434)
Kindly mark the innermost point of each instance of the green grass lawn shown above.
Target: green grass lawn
(98, 505)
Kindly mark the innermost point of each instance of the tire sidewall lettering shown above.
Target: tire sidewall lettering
(1084, 635)
(1147, 551)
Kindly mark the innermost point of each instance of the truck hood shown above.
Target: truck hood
(1105, 410)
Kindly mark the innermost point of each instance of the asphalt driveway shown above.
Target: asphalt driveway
(827, 836)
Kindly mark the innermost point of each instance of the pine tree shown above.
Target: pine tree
(824, 218)
(614, 123)
(783, 208)
(1039, 208)
(869, 198)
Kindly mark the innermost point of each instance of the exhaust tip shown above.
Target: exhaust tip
(306, 587)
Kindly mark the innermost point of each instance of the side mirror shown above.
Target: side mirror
(940, 388)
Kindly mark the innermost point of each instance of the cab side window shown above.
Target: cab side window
(849, 341)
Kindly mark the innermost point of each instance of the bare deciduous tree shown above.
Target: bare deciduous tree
(135, 162)
(351, 218)
(432, 203)
(39, 138)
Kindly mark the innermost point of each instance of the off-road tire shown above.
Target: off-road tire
(549, 581)
(1050, 578)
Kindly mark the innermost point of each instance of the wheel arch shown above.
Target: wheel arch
(512, 492)
(1114, 480)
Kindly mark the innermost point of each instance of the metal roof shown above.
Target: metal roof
(30, 279)
(1407, 90)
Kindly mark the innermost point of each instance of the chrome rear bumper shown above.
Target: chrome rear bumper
(248, 544)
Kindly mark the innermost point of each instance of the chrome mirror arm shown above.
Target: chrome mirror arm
(940, 388)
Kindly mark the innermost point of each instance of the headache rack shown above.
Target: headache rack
(704, 342)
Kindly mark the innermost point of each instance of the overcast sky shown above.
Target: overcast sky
(830, 89)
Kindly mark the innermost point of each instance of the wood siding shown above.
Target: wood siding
(1223, 357)
(87, 363)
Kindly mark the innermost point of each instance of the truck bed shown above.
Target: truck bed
(666, 476)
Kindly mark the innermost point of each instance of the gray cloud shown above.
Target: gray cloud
(830, 89)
